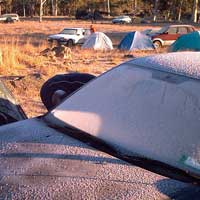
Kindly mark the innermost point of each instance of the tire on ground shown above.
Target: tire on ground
(157, 44)
(70, 43)
(66, 82)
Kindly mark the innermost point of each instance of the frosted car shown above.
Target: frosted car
(122, 20)
(70, 36)
(131, 133)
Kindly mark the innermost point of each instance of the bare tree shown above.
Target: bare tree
(135, 5)
(155, 10)
(56, 8)
(52, 7)
(195, 11)
(180, 10)
(108, 7)
(1, 1)
(42, 2)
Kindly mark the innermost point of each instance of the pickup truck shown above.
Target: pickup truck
(70, 36)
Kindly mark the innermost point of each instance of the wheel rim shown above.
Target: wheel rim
(157, 45)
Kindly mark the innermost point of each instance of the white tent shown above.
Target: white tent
(98, 41)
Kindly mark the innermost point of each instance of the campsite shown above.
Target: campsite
(25, 40)
(106, 137)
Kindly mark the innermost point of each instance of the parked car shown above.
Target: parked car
(168, 34)
(122, 20)
(10, 16)
(70, 36)
(144, 112)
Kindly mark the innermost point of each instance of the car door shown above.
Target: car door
(170, 35)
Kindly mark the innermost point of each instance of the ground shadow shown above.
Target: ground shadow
(183, 191)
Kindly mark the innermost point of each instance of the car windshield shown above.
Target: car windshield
(131, 124)
(69, 31)
(124, 17)
(163, 29)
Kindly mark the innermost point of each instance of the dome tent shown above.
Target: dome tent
(190, 41)
(136, 41)
(98, 41)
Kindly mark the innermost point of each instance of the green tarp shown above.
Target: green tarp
(190, 42)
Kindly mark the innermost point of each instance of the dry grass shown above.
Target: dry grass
(21, 44)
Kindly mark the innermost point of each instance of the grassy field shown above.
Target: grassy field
(22, 42)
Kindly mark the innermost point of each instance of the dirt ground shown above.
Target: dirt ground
(30, 37)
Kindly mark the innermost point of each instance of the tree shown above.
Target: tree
(1, 1)
(180, 10)
(108, 7)
(155, 10)
(195, 11)
(42, 2)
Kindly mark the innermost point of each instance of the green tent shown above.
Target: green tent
(190, 41)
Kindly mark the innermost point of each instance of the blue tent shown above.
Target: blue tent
(136, 41)
(190, 41)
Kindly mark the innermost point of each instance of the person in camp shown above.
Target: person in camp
(92, 29)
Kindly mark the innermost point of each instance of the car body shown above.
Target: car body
(122, 20)
(70, 36)
(168, 34)
(78, 149)
(13, 16)
(10, 110)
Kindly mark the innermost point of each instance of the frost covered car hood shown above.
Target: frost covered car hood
(147, 108)
(41, 162)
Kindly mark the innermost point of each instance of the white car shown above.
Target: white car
(10, 16)
(122, 20)
(70, 36)
(112, 137)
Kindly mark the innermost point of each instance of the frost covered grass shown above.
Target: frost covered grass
(22, 42)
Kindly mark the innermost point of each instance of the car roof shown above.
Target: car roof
(123, 16)
(74, 28)
(180, 25)
(182, 63)
(11, 14)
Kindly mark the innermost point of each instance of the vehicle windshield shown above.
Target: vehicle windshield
(123, 17)
(135, 120)
(162, 30)
(69, 31)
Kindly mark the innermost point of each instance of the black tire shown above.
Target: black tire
(70, 43)
(66, 82)
(9, 20)
(157, 44)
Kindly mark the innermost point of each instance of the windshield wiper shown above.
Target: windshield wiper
(143, 162)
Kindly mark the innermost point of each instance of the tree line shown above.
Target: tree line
(156, 9)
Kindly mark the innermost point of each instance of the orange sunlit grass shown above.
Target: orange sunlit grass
(22, 42)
